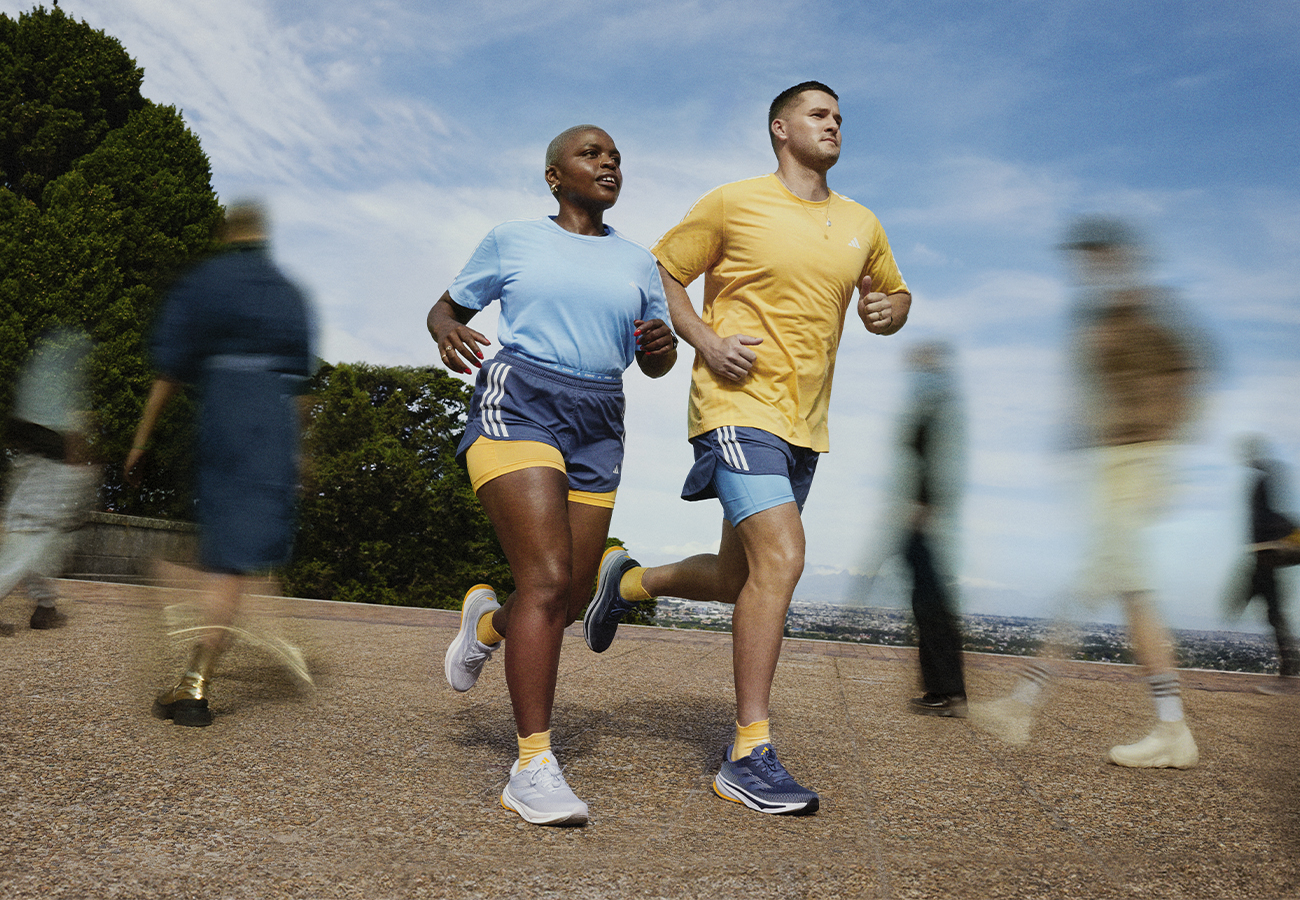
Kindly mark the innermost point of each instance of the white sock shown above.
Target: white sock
(1031, 684)
(1167, 695)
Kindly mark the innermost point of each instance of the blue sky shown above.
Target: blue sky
(388, 137)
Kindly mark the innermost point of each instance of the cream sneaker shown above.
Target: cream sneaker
(1169, 746)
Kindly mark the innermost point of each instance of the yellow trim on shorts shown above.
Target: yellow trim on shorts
(487, 459)
(587, 498)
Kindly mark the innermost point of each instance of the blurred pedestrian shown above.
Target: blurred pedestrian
(1139, 369)
(238, 331)
(931, 446)
(1274, 543)
(53, 480)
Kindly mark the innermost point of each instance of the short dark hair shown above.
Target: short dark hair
(790, 95)
(557, 144)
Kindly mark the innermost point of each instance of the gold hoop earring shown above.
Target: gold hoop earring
(555, 189)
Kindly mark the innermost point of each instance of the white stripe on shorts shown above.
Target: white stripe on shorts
(731, 450)
(490, 411)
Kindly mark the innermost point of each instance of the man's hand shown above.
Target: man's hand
(881, 313)
(730, 357)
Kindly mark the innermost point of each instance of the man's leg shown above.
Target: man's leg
(1263, 583)
(773, 544)
(1170, 744)
(19, 556)
(756, 568)
(187, 702)
(40, 581)
(938, 637)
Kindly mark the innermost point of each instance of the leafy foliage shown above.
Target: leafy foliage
(104, 197)
(388, 514)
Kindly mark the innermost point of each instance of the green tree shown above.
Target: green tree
(104, 197)
(388, 514)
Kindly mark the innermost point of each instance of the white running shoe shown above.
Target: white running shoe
(1008, 720)
(541, 796)
(467, 654)
(1169, 746)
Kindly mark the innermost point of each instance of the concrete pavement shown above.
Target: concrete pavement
(379, 781)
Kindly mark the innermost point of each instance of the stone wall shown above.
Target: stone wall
(124, 548)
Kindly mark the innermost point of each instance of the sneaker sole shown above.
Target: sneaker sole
(458, 642)
(1167, 761)
(535, 818)
(944, 713)
(597, 609)
(736, 794)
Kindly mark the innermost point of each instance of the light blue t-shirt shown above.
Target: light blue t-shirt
(568, 300)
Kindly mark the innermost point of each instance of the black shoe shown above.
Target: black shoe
(194, 713)
(950, 705)
(48, 617)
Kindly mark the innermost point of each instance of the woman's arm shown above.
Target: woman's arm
(458, 344)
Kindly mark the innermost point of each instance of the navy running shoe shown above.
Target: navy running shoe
(760, 782)
(608, 606)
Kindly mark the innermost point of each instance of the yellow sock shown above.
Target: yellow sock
(748, 737)
(630, 587)
(533, 745)
(484, 631)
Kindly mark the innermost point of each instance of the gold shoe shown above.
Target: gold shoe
(187, 702)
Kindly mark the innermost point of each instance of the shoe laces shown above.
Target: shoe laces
(477, 654)
(547, 777)
(771, 766)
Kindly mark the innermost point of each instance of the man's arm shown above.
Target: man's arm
(159, 396)
(727, 357)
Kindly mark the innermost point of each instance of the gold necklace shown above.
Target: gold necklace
(809, 209)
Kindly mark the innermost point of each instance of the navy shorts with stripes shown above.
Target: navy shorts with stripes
(517, 399)
(736, 452)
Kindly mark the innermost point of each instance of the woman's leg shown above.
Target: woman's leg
(529, 509)
(590, 527)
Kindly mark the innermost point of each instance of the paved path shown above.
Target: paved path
(380, 782)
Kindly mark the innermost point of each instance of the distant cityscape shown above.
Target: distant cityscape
(1227, 651)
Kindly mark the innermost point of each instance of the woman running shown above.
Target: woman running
(544, 441)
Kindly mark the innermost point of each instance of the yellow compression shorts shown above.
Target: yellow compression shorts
(487, 459)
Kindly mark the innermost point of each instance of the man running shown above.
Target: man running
(781, 255)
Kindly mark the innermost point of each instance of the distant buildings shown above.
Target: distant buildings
(1013, 636)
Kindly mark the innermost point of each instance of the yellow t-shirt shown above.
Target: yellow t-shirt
(773, 268)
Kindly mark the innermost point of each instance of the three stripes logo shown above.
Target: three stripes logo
(490, 411)
(731, 449)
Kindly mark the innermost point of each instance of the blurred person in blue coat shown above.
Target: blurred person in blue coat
(238, 331)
